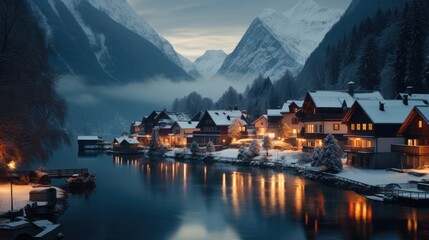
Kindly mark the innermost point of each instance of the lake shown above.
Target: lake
(138, 198)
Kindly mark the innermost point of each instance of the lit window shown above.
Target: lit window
(370, 126)
(310, 128)
(262, 123)
(420, 123)
(358, 126)
(336, 126)
(364, 126)
(368, 144)
(412, 142)
(352, 126)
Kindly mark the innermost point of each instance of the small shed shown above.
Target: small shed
(126, 144)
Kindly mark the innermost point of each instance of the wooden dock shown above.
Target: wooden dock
(56, 173)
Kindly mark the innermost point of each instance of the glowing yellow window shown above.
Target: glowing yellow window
(420, 123)
(370, 126)
(358, 126)
(364, 126)
(352, 126)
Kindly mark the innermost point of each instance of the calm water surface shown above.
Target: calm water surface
(137, 198)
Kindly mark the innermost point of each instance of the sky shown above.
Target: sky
(194, 26)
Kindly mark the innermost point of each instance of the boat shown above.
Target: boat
(79, 180)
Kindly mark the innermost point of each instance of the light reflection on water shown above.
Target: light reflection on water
(164, 199)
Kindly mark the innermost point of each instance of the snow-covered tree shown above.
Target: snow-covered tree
(267, 144)
(331, 154)
(241, 152)
(194, 148)
(284, 128)
(234, 130)
(210, 147)
(254, 148)
(316, 160)
(155, 141)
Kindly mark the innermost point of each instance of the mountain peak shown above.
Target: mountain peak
(210, 62)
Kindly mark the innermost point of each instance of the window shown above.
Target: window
(368, 144)
(412, 142)
(310, 128)
(262, 124)
(370, 126)
(352, 126)
(363, 126)
(336, 126)
(420, 123)
(243, 128)
(294, 121)
(358, 126)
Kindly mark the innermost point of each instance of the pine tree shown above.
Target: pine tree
(210, 147)
(194, 148)
(316, 160)
(155, 141)
(234, 130)
(368, 69)
(331, 155)
(267, 144)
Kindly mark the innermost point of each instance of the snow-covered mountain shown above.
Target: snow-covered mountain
(210, 62)
(105, 40)
(276, 42)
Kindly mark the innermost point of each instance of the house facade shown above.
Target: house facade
(414, 149)
(125, 144)
(182, 133)
(372, 129)
(322, 113)
(260, 125)
(289, 110)
(214, 126)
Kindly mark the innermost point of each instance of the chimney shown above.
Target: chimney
(381, 106)
(351, 88)
(409, 90)
(405, 100)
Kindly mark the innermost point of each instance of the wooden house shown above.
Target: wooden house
(415, 131)
(182, 133)
(289, 110)
(125, 145)
(214, 126)
(322, 113)
(260, 125)
(372, 129)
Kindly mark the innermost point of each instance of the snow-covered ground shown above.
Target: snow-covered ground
(21, 196)
(291, 158)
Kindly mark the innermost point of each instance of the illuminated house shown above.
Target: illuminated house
(289, 110)
(260, 125)
(322, 113)
(415, 147)
(182, 133)
(125, 144)
(214, 126)
(372, 129)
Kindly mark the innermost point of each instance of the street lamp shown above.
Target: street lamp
(11, 166)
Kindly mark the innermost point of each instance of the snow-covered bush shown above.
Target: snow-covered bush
(210, 147)
(316, 160)
(194, 148)
(331, 155)
(242, 152)
(254, 149)
(267, 144)
(234, 130)
(155, 141)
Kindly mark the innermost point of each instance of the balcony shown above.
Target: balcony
(413, 150)
(349, 148)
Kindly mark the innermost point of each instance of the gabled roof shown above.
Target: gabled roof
(274, 113)
(286, 109)
(335, 99)
(395, 111)
(127, 139)
(262, 116)
(225, 117)
(414, 96)
(187, 124)
(422, 111)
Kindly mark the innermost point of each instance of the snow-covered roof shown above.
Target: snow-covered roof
(127, 139)
(88, 138)
(335, 99)
(395, 111)
(424, 112)
(225, 117)
(178, 116)
(187, 124)
(262, 116)
(274, 113)
(137, 123)
(285, 108)
(415, 96)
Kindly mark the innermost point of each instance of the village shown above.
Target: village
(375, 135)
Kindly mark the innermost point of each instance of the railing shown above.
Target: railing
(415, 195)
(414, 150)
(349, 148)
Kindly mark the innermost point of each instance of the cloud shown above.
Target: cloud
(157, 92)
